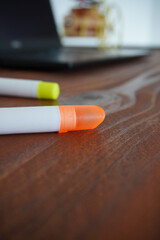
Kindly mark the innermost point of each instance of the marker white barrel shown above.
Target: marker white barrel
(29, 88)
(29, 119)
(49, 119)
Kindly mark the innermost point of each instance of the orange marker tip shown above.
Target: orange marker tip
(80, 117)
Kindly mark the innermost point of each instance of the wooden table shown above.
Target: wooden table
(98, 184)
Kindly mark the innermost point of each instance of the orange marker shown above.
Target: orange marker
(49, 119)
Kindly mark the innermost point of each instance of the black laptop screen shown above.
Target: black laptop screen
(26, 19)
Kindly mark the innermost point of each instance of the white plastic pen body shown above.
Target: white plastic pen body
(29, 119)
(29, 88)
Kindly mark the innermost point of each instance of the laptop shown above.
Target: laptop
(29, 39)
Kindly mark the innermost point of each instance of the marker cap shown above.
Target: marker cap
(48, 90)
(80, 117)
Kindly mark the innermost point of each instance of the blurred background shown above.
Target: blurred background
(130, 23)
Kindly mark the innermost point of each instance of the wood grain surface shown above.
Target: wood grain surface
(100, 184)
